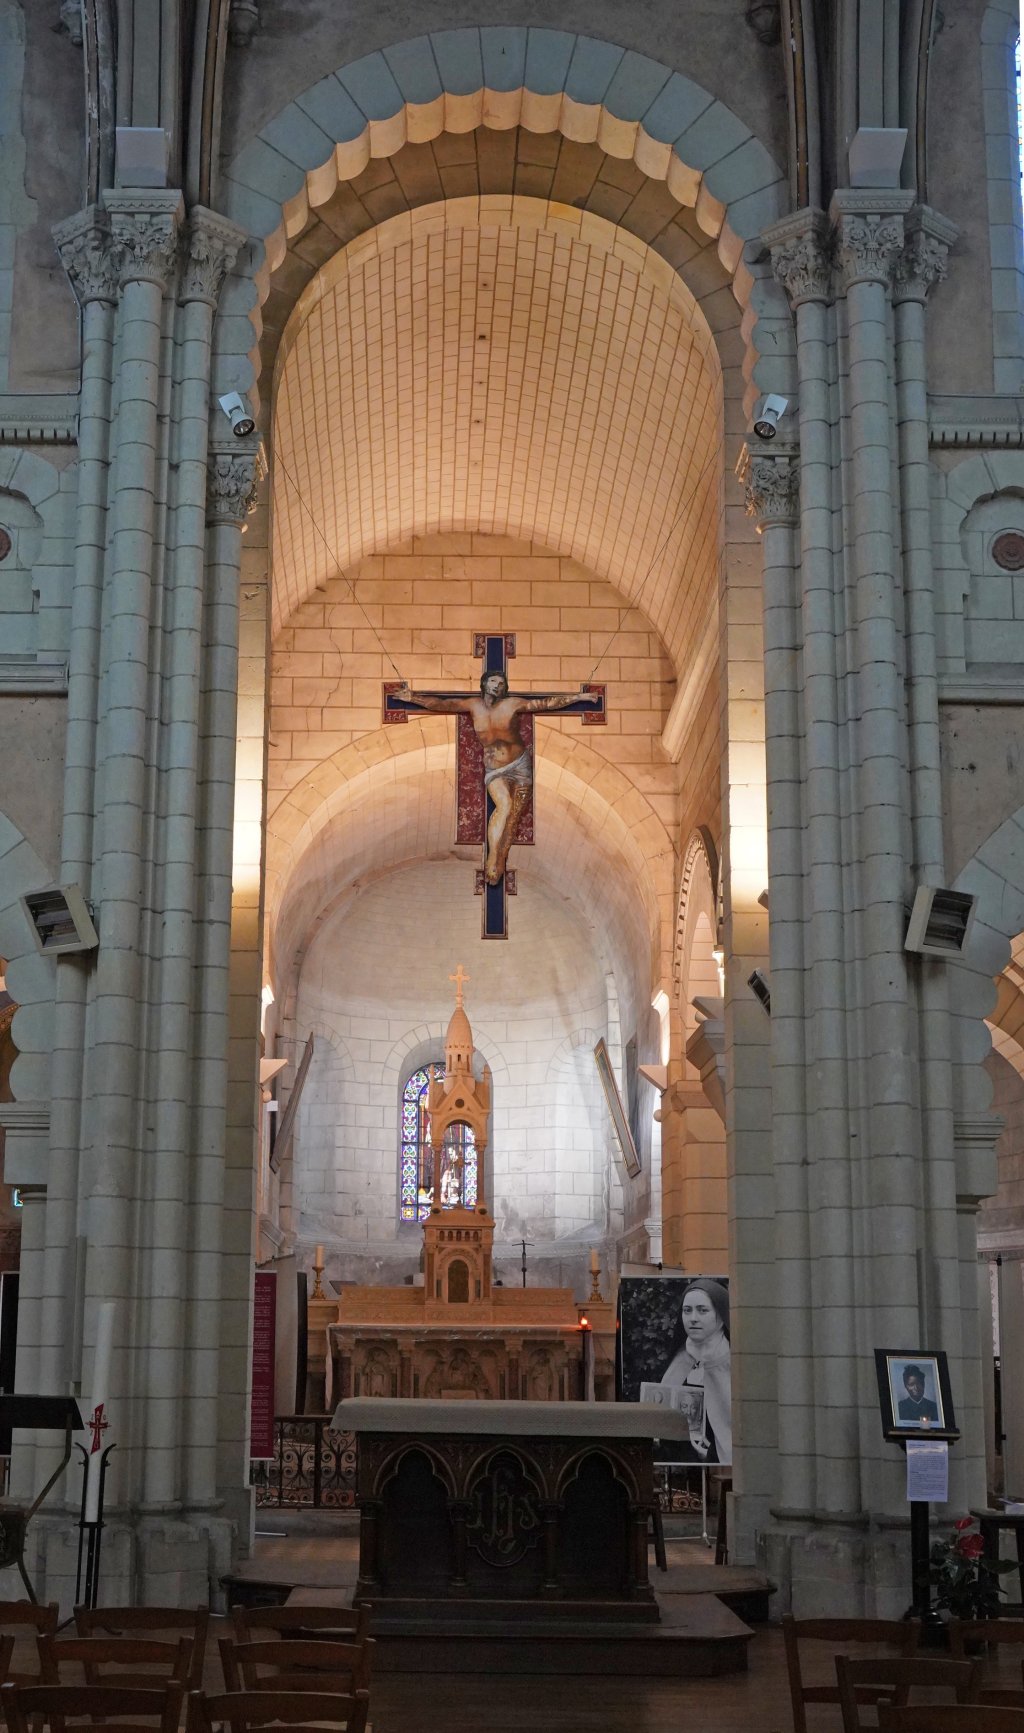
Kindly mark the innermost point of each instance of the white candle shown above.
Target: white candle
(318, 1261)
(595, 1262)
(97, 1415)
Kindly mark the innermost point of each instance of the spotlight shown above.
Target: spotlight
(761, 991)
(242, 423)
(772, 410)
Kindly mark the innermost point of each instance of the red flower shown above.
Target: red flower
(970, 1546)
(964, 1522)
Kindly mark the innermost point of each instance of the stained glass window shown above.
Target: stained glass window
(458, 1154)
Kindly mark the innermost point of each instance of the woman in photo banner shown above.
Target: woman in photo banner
(700, 1359)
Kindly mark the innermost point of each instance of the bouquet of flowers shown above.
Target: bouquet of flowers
(966, 1583)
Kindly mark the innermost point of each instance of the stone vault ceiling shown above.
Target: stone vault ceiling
(510, 366)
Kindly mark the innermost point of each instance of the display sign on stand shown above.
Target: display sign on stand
(916, 1405)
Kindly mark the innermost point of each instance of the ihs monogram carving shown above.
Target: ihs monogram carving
(212, 250)
(772, 489)
(90, 256)
(231, 483)
(869, 247)
(803, 264)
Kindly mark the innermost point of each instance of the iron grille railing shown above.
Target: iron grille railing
(313, 1466)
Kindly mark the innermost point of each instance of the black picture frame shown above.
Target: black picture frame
(891, 1364)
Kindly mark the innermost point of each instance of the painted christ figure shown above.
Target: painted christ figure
(508, 761)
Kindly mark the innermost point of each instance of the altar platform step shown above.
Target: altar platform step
(696, 1638)
(320, 1549)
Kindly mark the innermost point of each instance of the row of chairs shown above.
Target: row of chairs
(883, 1684)
(289, 1666)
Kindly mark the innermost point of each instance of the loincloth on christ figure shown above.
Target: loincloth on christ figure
(519, 773)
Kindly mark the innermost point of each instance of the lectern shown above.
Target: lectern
(36, 1414)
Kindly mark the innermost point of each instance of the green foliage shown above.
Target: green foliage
(966, 1583)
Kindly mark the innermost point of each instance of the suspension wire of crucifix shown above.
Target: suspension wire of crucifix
(495, 761)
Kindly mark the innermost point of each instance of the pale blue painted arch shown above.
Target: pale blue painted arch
(589, 90)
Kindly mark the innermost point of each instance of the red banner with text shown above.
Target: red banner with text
(264, 1318)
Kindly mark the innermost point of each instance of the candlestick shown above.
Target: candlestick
(595, 1277)
(318, 1270)
(98, 1423)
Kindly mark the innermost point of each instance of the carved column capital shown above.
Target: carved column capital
(803, 254)
(771, 486)
(924, 259)
(869, 233)
(146, 227)
(232, 478)
(212, 247)
(90, 255)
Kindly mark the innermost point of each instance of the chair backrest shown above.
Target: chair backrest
(6, 1651)
(41, 1619)
(27, 1708)
(902, 1635)
(293, 1665)
(346, 1624)
(948, 1718)
(300, 1711)
(881, 1680)
(965, 1634)
(131, 1662)
(148, 1621)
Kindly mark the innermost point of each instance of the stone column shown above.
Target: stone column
(175, 1277)
(230, 971)
(146, 229)
(91, 260)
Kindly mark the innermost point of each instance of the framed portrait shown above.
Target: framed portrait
(673, 1352)
(623, 1135)
(913, 1393)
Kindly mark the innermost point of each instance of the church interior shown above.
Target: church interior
(511, 869)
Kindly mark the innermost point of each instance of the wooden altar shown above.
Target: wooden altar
(511, 1508)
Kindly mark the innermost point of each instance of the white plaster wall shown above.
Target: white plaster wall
(374, 988)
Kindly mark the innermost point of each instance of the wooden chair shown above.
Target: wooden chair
(294, 1665)
(299, 1711)
(6, 1652)
(877, 1681)
(948, 1718)
(901, 1635)
(969, 1633)
(133, 1663)
(148, 1622)
(27, 1708)
(340, 1624)
(25, 1619)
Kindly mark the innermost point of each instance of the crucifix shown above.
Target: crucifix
(494, 755)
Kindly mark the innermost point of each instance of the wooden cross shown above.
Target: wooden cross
(460, 978)
(495, 761)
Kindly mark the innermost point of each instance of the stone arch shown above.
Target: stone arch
(696, 924)
(970, 484)
(995, 876)
(621, 815)
(547, 81)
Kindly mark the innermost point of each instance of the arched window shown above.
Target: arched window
(458, 1155)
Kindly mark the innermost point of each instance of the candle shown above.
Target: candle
(318, 1261)
(97, 1416)
(595, 1262)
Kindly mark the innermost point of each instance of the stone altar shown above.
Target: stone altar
(504, 1506)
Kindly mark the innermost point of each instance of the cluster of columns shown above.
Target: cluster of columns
(873, 1197)
(131, 1208)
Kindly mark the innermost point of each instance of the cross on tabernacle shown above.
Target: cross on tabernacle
(495, 760)
(460, 978)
